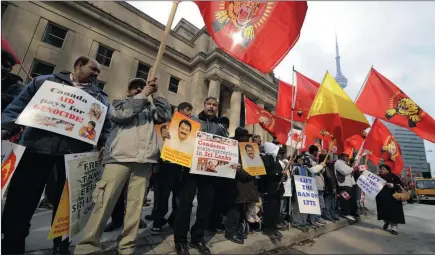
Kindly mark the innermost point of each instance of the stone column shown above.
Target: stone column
(258, 130)
(214, 88)
(236, 104)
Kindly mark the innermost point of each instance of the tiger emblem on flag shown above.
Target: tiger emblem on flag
(402, 105)
(391, 147)
(243, 19)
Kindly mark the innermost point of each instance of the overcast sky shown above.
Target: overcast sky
(396, 37)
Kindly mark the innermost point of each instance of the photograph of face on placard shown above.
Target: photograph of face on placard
(180, 146)
(251, 160)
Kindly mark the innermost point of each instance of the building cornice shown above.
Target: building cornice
(153, 21)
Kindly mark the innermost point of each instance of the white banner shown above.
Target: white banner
(215, 155)
(370, 183)
(308, 195)
(11, 156)
(65, 110)
(83, 172)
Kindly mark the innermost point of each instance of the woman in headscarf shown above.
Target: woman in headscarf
(389, 209)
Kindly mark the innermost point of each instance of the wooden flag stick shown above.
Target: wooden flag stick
(163, 41)
(329, 151)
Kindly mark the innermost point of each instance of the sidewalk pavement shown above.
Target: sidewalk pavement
(255, 243)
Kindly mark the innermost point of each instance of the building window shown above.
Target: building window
(104, 55)
(142, 71)
(101, 84)
(41, 68)
(54, 35)
(173, 84)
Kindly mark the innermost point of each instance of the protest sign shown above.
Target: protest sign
(179, 148)
(83, 171)
(287, 186)
(308, 196)
(65, 110)
(251, 160)
(11, 156)
(159, 129)
(215, 155)
(370, 183)
(61, 222)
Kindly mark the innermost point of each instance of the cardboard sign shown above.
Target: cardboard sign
(179, 148)
(307, 194)
(215, 156)
(370, 183)
(65, 110)
(251, 160)
(11, 156)
(83, 171)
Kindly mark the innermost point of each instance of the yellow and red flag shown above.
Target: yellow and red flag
(257, 33)
(333, 111)
(382, 99)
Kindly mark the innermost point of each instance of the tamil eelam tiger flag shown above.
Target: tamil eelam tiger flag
(257, 33)
(382, 99)
(304, 92)
(334, 112)
(381, 144)
(276, 126)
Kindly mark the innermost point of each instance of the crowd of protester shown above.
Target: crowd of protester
(131, 157)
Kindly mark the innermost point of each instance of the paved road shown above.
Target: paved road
(417, 236)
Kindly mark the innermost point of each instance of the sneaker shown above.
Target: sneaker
(385, 227)
(182, 249)
(278, 234)
(349, 217)
(156, 231)
(235, 238)
(201, 247)
(394, 232)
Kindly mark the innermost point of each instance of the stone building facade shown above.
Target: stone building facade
(49, 36)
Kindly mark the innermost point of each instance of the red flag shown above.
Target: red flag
(382, 145)
(8, 48)
(384, 100)
(276, 126)
(354, 142)
(306, 91)
(259, 34)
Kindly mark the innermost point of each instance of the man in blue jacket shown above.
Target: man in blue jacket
(44, 150)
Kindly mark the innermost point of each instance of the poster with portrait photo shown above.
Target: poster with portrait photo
(215, 156)
(179, 147)
(251, 160)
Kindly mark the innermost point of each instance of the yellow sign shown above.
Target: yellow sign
(61, 221)
(251, 160)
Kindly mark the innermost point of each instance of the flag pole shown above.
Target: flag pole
(28, 75)
(329, 151)
(363, 85)
(293, 107)
(163, 40)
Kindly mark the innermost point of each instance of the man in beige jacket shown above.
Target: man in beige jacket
(129, 155)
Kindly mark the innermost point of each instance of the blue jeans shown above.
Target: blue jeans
(329, 212)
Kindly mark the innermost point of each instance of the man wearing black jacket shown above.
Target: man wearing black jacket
(204, 185)
(44, 150)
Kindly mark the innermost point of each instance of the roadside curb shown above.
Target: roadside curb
(258, 243)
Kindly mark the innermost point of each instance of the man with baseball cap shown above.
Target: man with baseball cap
(130, 153)
(135, 86)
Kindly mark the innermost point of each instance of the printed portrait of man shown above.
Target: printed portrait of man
(180, 142)
(251, 159)
(211, 166)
